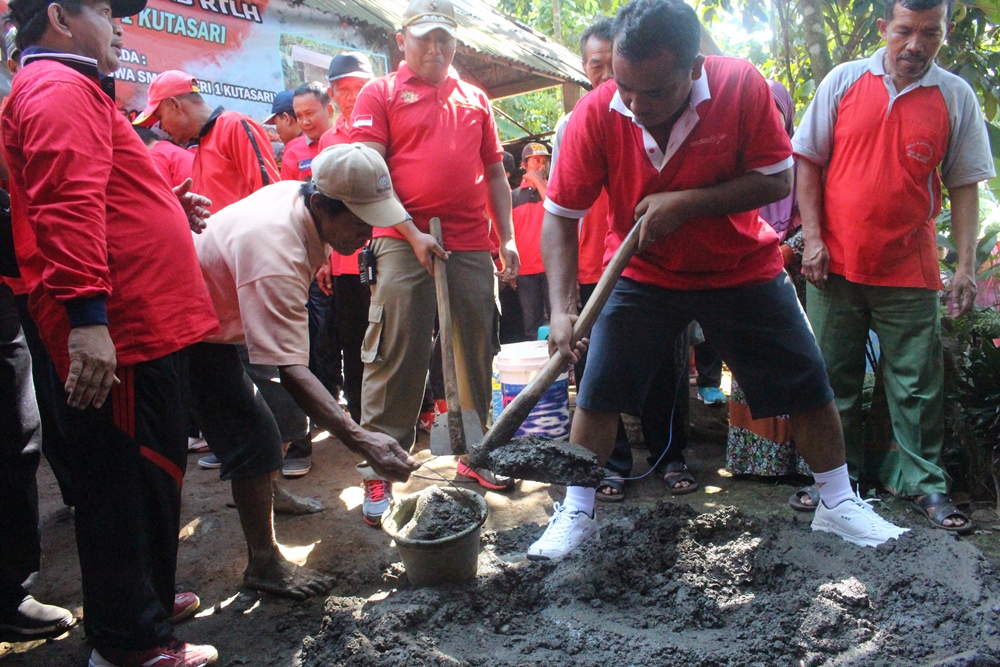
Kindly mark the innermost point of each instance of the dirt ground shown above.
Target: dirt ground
(726, 576)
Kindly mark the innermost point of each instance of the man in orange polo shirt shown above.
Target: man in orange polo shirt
(527, 214)
(439, 139)
(878, 140)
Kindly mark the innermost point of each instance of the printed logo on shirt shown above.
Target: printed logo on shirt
(409, 96)
(363, 121)
(921, 151)
(305, 164)
(714, 139)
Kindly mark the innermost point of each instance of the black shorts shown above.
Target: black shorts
(760, 331)
(236, 422)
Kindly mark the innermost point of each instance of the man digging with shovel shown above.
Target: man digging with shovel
(694, 146)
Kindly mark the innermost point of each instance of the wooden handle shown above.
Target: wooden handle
(456, 427)
(514, 414)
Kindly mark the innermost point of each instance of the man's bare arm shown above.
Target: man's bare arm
(964, 230)
(382, 452)
(815, 256)
(560, 253)
(499, 209)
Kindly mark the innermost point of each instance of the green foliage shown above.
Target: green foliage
(538, 112)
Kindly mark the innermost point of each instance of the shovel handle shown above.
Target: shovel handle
(456, 427)
(514, 414)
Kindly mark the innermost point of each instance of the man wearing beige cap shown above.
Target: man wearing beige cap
(440, 141)
(258, 257)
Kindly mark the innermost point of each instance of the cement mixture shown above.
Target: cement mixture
(544, 460)
(438, 515)
(666, 586)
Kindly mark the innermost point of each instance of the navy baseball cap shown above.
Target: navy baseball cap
(349, 63)
(282, 104)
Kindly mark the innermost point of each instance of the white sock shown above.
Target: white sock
(834, 486)
(581, 498)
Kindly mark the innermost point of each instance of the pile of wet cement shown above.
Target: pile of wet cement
(438, 515)
(665, 586)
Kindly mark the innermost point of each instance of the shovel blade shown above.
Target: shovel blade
(441, 440)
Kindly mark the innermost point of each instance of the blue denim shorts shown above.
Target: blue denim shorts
(760, 331)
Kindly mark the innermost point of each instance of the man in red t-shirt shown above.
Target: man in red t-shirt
(105, 251)
(527, 212)
(692, 146)
(173, 162)
(234, 155)
(439, 138)
(315, 116)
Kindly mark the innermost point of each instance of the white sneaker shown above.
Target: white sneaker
(856, 521)
(568, 529)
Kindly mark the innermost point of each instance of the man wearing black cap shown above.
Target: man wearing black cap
(105, 250)
(283, 117)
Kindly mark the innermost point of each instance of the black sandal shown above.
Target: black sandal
(676, 472)
(812, 491)
(944, 508)
(616, 482)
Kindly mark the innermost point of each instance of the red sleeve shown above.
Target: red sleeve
(763, 138)
(244, 155)
(181, 164)
(581, 170)
(371, 115)
(289, 166)
(66, 171)
(490, 150)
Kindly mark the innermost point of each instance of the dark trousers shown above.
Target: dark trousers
(324, 347)
(292, 421)
(533, 293)
(709, 365)
(668, 395)
(511, 320)
(51, 402)
(127, 480)
(20, 452)
(350, 324)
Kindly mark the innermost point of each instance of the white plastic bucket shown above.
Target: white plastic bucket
(518, 364)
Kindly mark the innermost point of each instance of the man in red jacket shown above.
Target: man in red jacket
(105, 250)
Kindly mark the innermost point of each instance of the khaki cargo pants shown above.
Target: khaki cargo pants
(397, 346)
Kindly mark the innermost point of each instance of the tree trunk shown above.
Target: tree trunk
(556, 21)
(815, 29)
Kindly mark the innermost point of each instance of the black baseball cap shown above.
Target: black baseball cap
(349, 63)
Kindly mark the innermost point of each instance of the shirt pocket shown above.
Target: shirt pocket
(921, 148)
(369, 349)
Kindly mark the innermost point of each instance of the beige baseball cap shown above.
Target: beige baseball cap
(422, 16)
(358, 176)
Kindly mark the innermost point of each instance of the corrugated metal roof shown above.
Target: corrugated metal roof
(483, 29)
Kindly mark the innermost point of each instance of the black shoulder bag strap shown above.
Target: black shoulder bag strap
(256, 149)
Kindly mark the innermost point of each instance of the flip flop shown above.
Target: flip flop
(812, 491)
(615, 482)
(944, 508)
(676, 472)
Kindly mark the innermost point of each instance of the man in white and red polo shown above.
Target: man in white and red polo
(439, 138)
(875, 146)
(693, 146)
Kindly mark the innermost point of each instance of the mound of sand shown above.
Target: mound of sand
(665, 586)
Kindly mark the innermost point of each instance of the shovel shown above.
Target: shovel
(458, 428)
(504, 428)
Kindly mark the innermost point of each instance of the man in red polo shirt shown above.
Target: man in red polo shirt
(527, 213)
(173, 162)
(105, 251)
(878, 140)
(440, 141)
(692, 146)
(314, 113)
(234, 155)
(348, 74)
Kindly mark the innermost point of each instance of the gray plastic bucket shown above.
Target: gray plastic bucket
(449, 560)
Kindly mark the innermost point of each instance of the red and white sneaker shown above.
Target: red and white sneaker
(174, 654)
(185, 605)
(426, 421)
(378, 496)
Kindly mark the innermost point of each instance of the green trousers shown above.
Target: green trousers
(908, 324)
